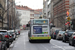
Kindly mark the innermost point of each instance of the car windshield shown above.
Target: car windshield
(12, 32)
(57, 31)
(61, 32)
(3, 32)
(9, 33)
(0, 37)
(71, 32)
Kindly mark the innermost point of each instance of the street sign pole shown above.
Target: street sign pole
(68, 19)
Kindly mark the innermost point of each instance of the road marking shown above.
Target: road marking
(11, 45)
(62, 47)
(58, 46)
(24, 43)
(45, 47)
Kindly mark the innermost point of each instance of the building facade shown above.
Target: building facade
(3, 14)
(25, 14)
(51, 18)
(37, 13)
(48, 9)
(31, 14)
(7, 14)
(44, 8)
(60, 7)
(72, 9)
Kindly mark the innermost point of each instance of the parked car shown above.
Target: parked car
(66, 35)
(72, 39)
(10, 36)
(54, 31)
(13, 34)
(17, 32)
(5, 34)
(2, 43)
(60, 35)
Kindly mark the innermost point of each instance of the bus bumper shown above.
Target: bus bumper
(40, 38)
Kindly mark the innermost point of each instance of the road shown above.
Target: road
(21, 43)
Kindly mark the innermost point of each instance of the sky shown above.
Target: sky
(34, 4)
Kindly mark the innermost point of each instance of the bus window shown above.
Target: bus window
(40, 21)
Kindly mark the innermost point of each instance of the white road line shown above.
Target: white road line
(58, 46)
(24, 43)
(11, 45)
(45, 47)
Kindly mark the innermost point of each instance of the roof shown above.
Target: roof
(3, 30)
(22, 8)
(27, 8)
(37, 12)
(40, 10)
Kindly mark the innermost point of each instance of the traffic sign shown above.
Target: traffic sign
(67, 13)
(68, 18)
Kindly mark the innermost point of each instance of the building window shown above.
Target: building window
(31, 14)
(48, 6)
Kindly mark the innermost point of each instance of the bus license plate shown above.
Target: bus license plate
(40, 35)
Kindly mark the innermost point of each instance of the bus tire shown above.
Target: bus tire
(48, 41)
(30, 41)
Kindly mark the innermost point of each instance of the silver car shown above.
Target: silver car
(60, 35)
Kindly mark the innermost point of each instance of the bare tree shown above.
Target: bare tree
(17, 20)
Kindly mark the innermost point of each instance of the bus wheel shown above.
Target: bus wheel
(48, 41)
(30, 41)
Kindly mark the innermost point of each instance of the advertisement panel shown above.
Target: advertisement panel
(37, 29)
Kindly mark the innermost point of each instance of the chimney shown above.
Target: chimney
(18, 5)
(22, 6)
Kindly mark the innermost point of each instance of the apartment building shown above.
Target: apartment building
(37, 13)
(3, 14)
(44, 9)
(60, 7)
(72, 9)
(48, 9)
(25, 14)
(51, 8)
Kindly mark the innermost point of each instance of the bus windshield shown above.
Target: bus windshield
(40, 21)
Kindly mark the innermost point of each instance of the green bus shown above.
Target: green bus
(39, 30)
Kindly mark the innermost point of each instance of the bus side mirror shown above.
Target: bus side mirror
(28, 25)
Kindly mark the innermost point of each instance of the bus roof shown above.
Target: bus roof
(39, 19)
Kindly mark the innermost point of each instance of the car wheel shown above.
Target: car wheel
(30, 41)
(56, 38)
(8, 45)
(64, 39)
(48, 41)
(5, 48)
(53, 36)
(14, 38)
(72, 43)
(69, 42)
